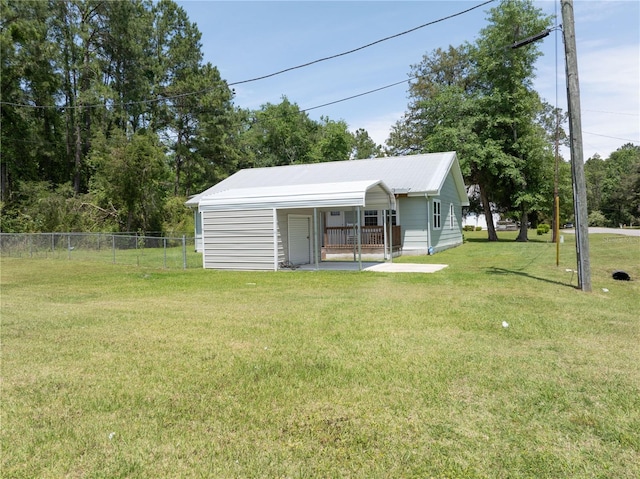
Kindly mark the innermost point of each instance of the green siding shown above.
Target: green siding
(450, 233)
(413, 221)
(416, 210)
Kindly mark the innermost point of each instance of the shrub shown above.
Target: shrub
(543, 229)
(597, 218)
(469, 228)
(478, 228)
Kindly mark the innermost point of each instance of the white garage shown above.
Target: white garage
(265, 228)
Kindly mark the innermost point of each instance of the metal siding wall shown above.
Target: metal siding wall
(239, 239)
(445, 237)
(414, 223)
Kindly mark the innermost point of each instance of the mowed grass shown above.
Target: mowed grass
(115, 371)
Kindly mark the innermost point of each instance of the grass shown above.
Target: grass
(116, 371)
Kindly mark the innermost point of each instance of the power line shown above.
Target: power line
(364, 46)
(263, 77)
(359, 94)
(613, 112)
(612, 137)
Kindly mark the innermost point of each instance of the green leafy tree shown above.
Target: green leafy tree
(478, 100)
(364, 146)
(202, 131)
(620, 186)
(333, 142)
(281, 135)
(131, 178)
(31, 149)
(595, 174)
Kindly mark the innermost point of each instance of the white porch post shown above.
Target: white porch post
(385, 236)
(201, 216)
(359, 241)
(355, 232)
(428, 222)
(391, 235)
(275, 239)
(315, 237)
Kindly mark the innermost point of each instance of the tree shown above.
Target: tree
(333, 141)
(281, 134)
(594, 173)
(364, 146)
(620, 186)
(130, 177)
(505, 77)
(31, 150)
(478, 99)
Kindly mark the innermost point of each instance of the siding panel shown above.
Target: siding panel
(414, 224)
(446, 236)
(238, 239)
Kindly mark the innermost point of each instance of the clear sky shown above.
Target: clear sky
(248, 39)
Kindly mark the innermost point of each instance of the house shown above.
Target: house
(267, 218)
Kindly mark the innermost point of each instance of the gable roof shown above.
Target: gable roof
(414, 175)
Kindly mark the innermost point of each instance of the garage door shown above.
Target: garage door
(299, 239)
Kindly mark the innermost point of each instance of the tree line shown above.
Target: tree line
(111, 118)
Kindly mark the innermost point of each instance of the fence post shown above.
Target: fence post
(184, 252)
(68, 246)
(31, 245)
(164, 242)
(53, 245)
(113, 243)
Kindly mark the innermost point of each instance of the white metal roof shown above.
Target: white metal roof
(372, 194)
(412, 175)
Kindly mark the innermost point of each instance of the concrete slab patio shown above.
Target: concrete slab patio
(374, 266)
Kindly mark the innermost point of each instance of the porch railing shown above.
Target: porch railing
(343, 237)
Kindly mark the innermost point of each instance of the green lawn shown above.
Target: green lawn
(122, 371)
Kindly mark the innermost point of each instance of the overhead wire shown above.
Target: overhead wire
(359, 94)
(612, 137)
(263, 77)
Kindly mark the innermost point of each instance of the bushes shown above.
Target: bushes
(543, 229)
(597, 218)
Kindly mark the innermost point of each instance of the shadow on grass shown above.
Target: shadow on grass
(505, 240)
(503, 271)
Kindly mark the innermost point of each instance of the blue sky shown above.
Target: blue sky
(248, 39)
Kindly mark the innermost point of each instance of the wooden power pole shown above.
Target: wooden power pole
(577, 156)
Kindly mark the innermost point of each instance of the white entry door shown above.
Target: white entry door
(299, 239)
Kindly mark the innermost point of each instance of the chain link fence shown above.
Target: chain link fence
(127, 249)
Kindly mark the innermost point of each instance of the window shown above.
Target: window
(452, 217)
(371, 218)
(394, 217)
(437, 214)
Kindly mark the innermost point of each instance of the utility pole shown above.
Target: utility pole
(577, 156)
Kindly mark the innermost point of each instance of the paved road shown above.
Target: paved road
(612, 231)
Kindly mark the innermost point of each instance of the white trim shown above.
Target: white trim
(437, 215)
(452, 215)
(429, 219)
(316, 232)
(202, 248)
(275, 239)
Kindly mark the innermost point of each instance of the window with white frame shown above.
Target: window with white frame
(452, 217)
(437, 214)
(370, 217)
(392, 215)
